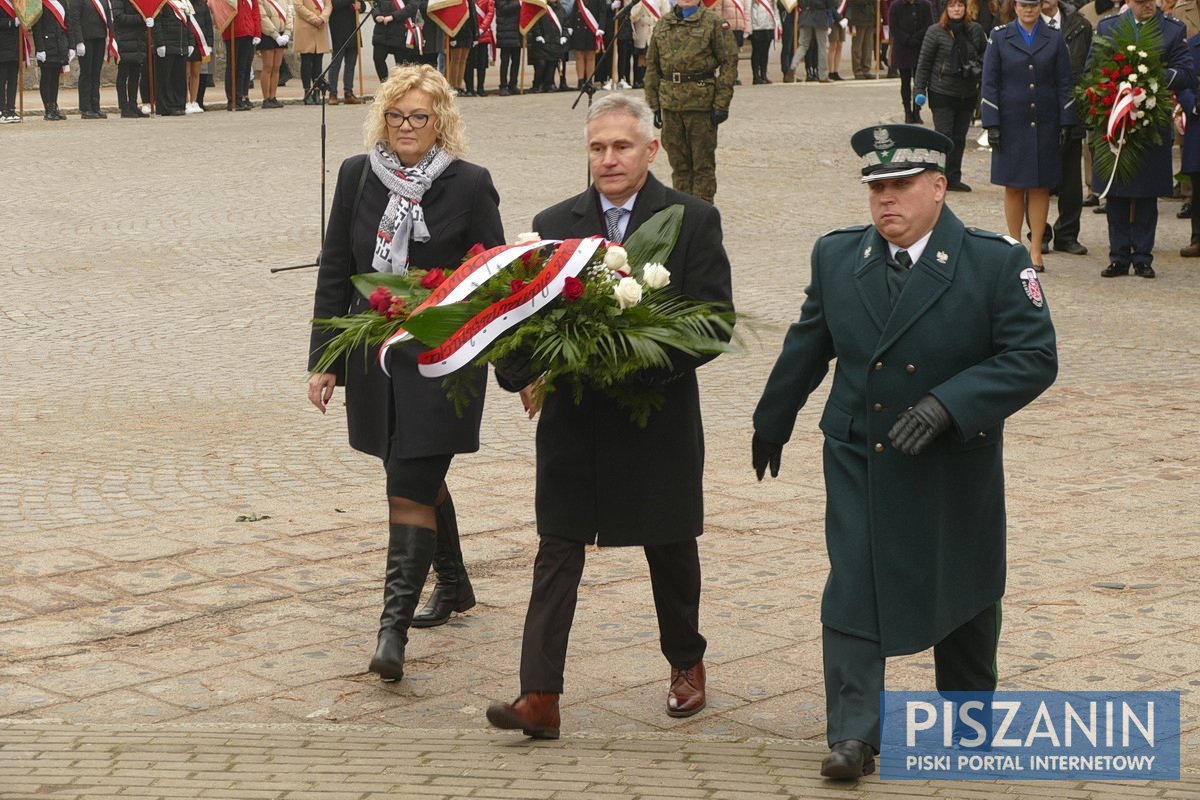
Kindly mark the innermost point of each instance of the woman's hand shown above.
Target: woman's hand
(530, 399)
(320, 389)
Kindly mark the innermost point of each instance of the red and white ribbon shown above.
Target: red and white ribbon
(589, 20)
(1121, 118)
(57, 11)
(654, 12)
(110, 44)
(770, 8)
(459, 285)
(468, 342)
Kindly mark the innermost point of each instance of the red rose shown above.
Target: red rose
(1126, 70)
(433, 278)
(516, 285)
(475, 250)
(1118, 56)
(395, 309)
(380, 299)
(572, 289)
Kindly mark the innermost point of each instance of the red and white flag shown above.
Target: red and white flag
(531, 12)
(449, 15)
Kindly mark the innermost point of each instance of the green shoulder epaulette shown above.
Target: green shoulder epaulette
(847, 229)
(982, 234)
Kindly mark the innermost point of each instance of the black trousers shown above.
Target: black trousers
(952, 118)
(311, 65)
(348, 58)
(48, 78)
(8, 86)
(906, 77)
(477, 64)
(170, 82)
(510, 67)
(1132, 225)
(1070, 193)
(557, 570)
(786, 51)
(543, 73)
(89, 75)
(129, 73)
(760, 52)
(965, 661)
(244, 53)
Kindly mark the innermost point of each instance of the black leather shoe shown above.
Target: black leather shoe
(1091, 200)
(848, 761)
(1185, 211)
(1074, 248)
(1100, 209)
(958, 187)
(1143, 270)
(1114, 270)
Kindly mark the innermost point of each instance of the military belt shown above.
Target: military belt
(691, 77)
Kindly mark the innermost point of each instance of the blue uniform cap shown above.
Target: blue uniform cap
(894, 151)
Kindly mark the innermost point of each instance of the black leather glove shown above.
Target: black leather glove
(719, 115)
(514, 372)
(658, 119)
(993, 138)
(764, 454)
(919, 425)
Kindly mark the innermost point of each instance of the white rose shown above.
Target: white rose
(615, 257)
(656, 276)
(1151, 102)
(1154, 86)
(528, 237)
(1131, 48)
(1143, 69)
(1132, 79)
(628, 292)
(1141, 54)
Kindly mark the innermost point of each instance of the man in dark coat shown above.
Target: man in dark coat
(343, 33)
(907, 22)
(590, 453)
(173, 43)
(10, 52)
(940, 333)
(1132, 205)
(1077, 33)
(91, 31)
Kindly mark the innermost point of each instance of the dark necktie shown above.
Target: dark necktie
(1054, 23)
(612, 221)
(899, 268)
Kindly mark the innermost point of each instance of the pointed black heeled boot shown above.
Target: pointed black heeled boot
(410, 553)
(453, 591)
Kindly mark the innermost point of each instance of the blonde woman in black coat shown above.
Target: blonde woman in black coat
(420, 206)
(948, 73)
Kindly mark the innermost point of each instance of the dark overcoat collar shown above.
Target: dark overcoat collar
(588, 221)
(1041, 36)
(931, 276)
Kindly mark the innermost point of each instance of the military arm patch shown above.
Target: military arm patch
(1033, 289)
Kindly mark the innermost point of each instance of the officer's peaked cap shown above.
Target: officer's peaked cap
(894, 151)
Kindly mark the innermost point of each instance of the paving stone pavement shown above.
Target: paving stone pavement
(156, 376)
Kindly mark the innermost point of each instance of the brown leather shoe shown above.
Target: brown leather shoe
(352, 99)
(333, 99)
(686, 695)
(1191, 251)
(534, 713)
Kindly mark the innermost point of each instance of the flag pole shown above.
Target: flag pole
(358, 41)
(233, 61)
(150, 65)
(613, 67)
(521, 88)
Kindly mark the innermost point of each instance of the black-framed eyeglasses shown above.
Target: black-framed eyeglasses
(395, 119)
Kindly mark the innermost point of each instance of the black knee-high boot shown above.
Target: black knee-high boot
(453, 590)
(410, 552)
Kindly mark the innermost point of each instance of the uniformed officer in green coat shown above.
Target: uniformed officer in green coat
(691, 64)
(940, 332)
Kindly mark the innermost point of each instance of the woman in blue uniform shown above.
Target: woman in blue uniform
(1026, 102)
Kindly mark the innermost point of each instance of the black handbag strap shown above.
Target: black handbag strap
(362, 181)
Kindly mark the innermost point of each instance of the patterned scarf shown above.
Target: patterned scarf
(403, 218)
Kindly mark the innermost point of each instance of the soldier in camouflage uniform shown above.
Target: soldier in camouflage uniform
(690, 68)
